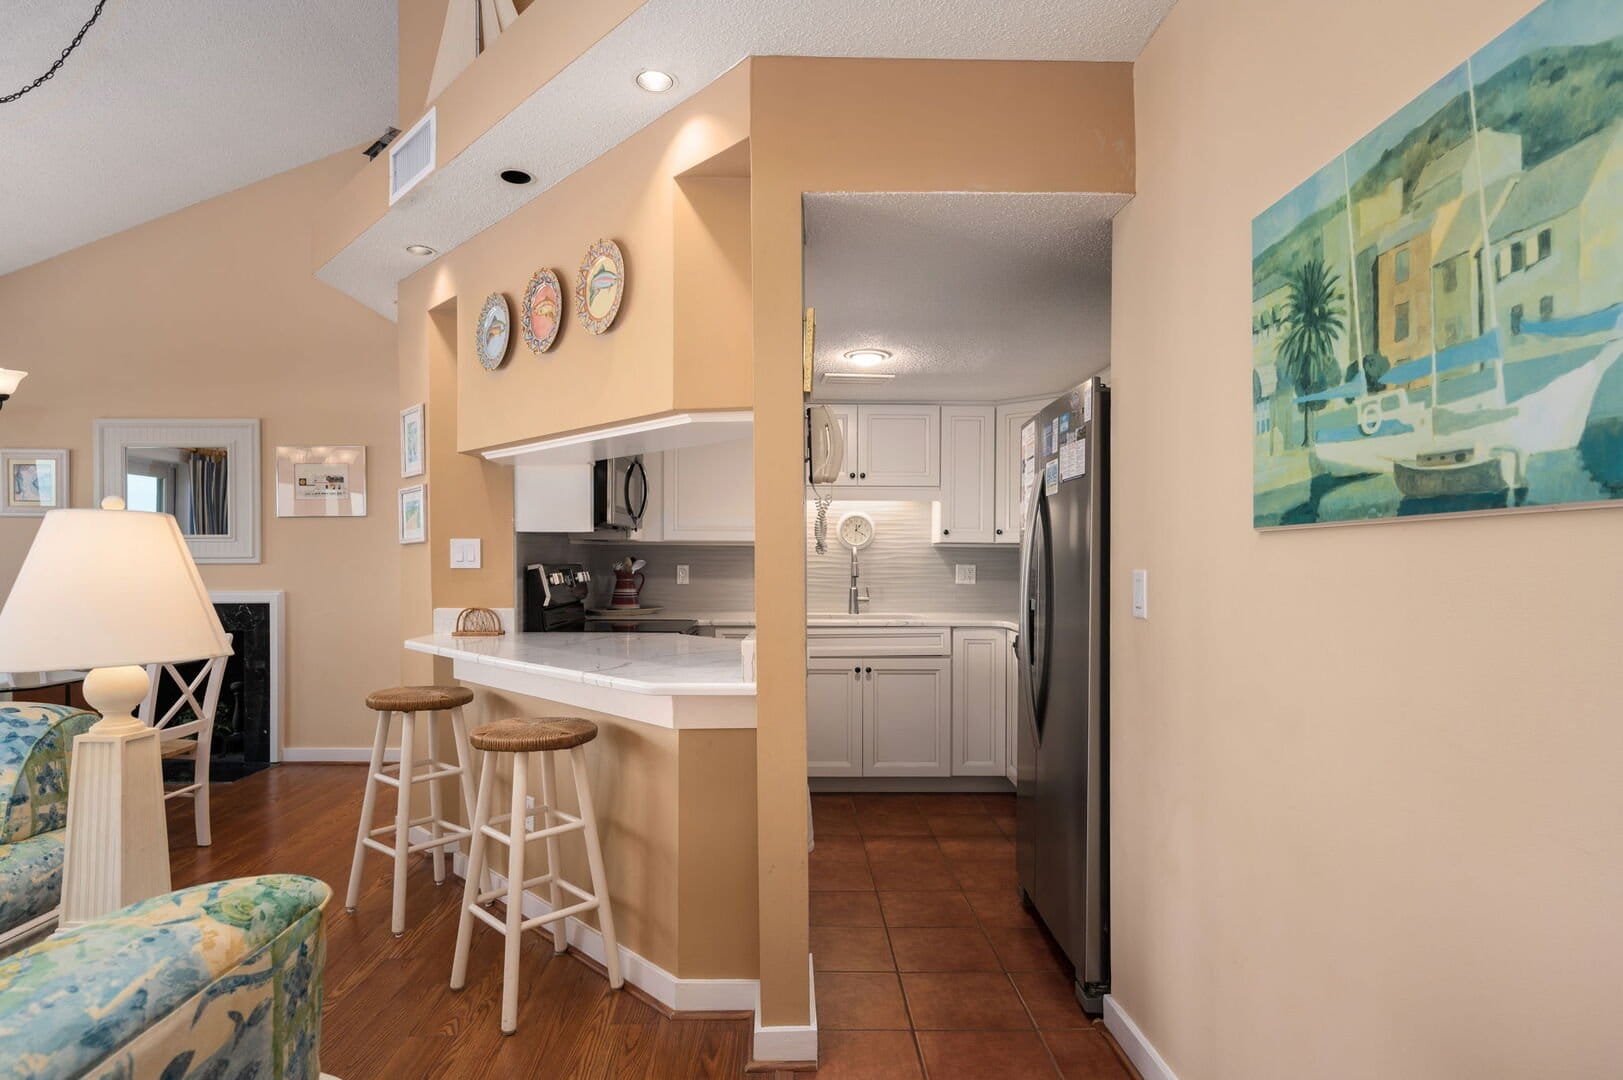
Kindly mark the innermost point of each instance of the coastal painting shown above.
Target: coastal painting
(1437, 314)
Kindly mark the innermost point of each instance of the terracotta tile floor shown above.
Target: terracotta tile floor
(928, 964)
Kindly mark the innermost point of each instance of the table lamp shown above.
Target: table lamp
(110, 590)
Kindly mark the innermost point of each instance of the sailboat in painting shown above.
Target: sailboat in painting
(1464, 356)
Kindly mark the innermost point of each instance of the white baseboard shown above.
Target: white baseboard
(339, 754)
(1149, 1063)
(786, 1043)
(680, 995)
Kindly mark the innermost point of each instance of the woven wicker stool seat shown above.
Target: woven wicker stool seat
(418, 698)
(520, 742)
(519, 735)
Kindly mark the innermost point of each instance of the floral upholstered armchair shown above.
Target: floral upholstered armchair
(35, 742)
(217, 981)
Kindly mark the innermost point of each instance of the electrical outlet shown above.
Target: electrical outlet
(682, 574)
(1141, 594)
(964, 573)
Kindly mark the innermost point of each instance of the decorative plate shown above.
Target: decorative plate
(543, 310)
(492, 332)
(601, 286)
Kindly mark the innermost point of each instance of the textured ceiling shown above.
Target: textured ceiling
(980, 297)
(698, 40)
(169, 102)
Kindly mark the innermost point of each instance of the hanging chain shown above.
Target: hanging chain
(51, 74)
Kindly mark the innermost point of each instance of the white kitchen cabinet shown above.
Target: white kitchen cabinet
(552, 498)
(834, 706)
(709, 493)
(1010, 419)
(907, 716)
(965, 512)
(980, 677)
(898, 445)
(1011, 714)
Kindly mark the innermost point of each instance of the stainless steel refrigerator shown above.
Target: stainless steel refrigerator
(1062, 835)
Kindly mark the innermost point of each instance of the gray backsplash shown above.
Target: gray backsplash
(901, 569)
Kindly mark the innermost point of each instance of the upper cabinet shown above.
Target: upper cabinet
(710, 493)
(965, 513)
(1009, 521)
(898, 446)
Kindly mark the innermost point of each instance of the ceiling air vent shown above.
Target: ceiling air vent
(411, 157)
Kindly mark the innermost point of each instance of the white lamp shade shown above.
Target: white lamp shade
(104, 588)
(9, 380)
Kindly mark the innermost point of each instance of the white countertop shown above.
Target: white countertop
(669, 665)
(840, 618)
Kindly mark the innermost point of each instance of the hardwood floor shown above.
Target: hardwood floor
(389, 1009)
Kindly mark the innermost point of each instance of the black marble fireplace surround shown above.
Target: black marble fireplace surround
(242, 735)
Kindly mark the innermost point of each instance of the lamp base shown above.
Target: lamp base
(117, 841)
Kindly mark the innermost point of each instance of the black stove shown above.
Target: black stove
(555, 599)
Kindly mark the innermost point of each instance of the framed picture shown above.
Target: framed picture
(321, 481)
(414, 514)
(36, 481)
(413, 442)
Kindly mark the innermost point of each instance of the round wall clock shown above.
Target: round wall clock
(856, 531)
(601, 285)
(492, 332)
(543, 310)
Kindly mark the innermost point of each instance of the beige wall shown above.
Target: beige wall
(212, 312)
(1366, 813)
(867, 125)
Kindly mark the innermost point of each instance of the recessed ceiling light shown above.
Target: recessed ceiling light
(655, 82)
(420, 249)
(516, 176)
(867, 357)
(857, 376)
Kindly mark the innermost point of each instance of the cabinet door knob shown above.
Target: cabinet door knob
(858, 670)
(853, 476)
(1000, 532)
(863, 475)
(868, 671)
(946, 532)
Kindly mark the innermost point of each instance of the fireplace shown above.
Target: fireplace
(246, 719)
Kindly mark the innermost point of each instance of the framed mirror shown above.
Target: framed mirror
(204, 472)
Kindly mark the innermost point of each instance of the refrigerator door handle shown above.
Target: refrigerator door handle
(1034, 647)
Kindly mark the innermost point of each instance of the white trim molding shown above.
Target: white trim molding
(1145, 1058)
(787, 1043)
(272, 599)
(677, 994)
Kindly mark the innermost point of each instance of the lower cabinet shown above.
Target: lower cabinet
(980, 702)
(907, 717)
(833, 717)
(879, 716)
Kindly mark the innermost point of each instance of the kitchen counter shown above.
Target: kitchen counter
(840, 618)
(672, 680)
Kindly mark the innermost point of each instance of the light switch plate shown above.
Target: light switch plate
(682, 577)
(964, 573)
(465, 554)
(1141, 594)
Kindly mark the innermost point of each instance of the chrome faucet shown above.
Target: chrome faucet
(856, 595)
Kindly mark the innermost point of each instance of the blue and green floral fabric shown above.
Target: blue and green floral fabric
(216, 981)
(35, 744)
(35, 741)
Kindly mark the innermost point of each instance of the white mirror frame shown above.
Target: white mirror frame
(241, 441)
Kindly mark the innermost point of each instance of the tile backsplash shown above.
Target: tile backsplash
(903, 571)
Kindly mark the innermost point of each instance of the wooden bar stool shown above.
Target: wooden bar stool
(440, 703)
(523, 738)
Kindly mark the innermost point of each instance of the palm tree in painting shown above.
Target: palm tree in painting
(1313, 320)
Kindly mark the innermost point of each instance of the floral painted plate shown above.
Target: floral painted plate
(543, 310)
(492, 332)
(601, 286)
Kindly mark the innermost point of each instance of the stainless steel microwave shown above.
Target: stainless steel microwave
(619, 494)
